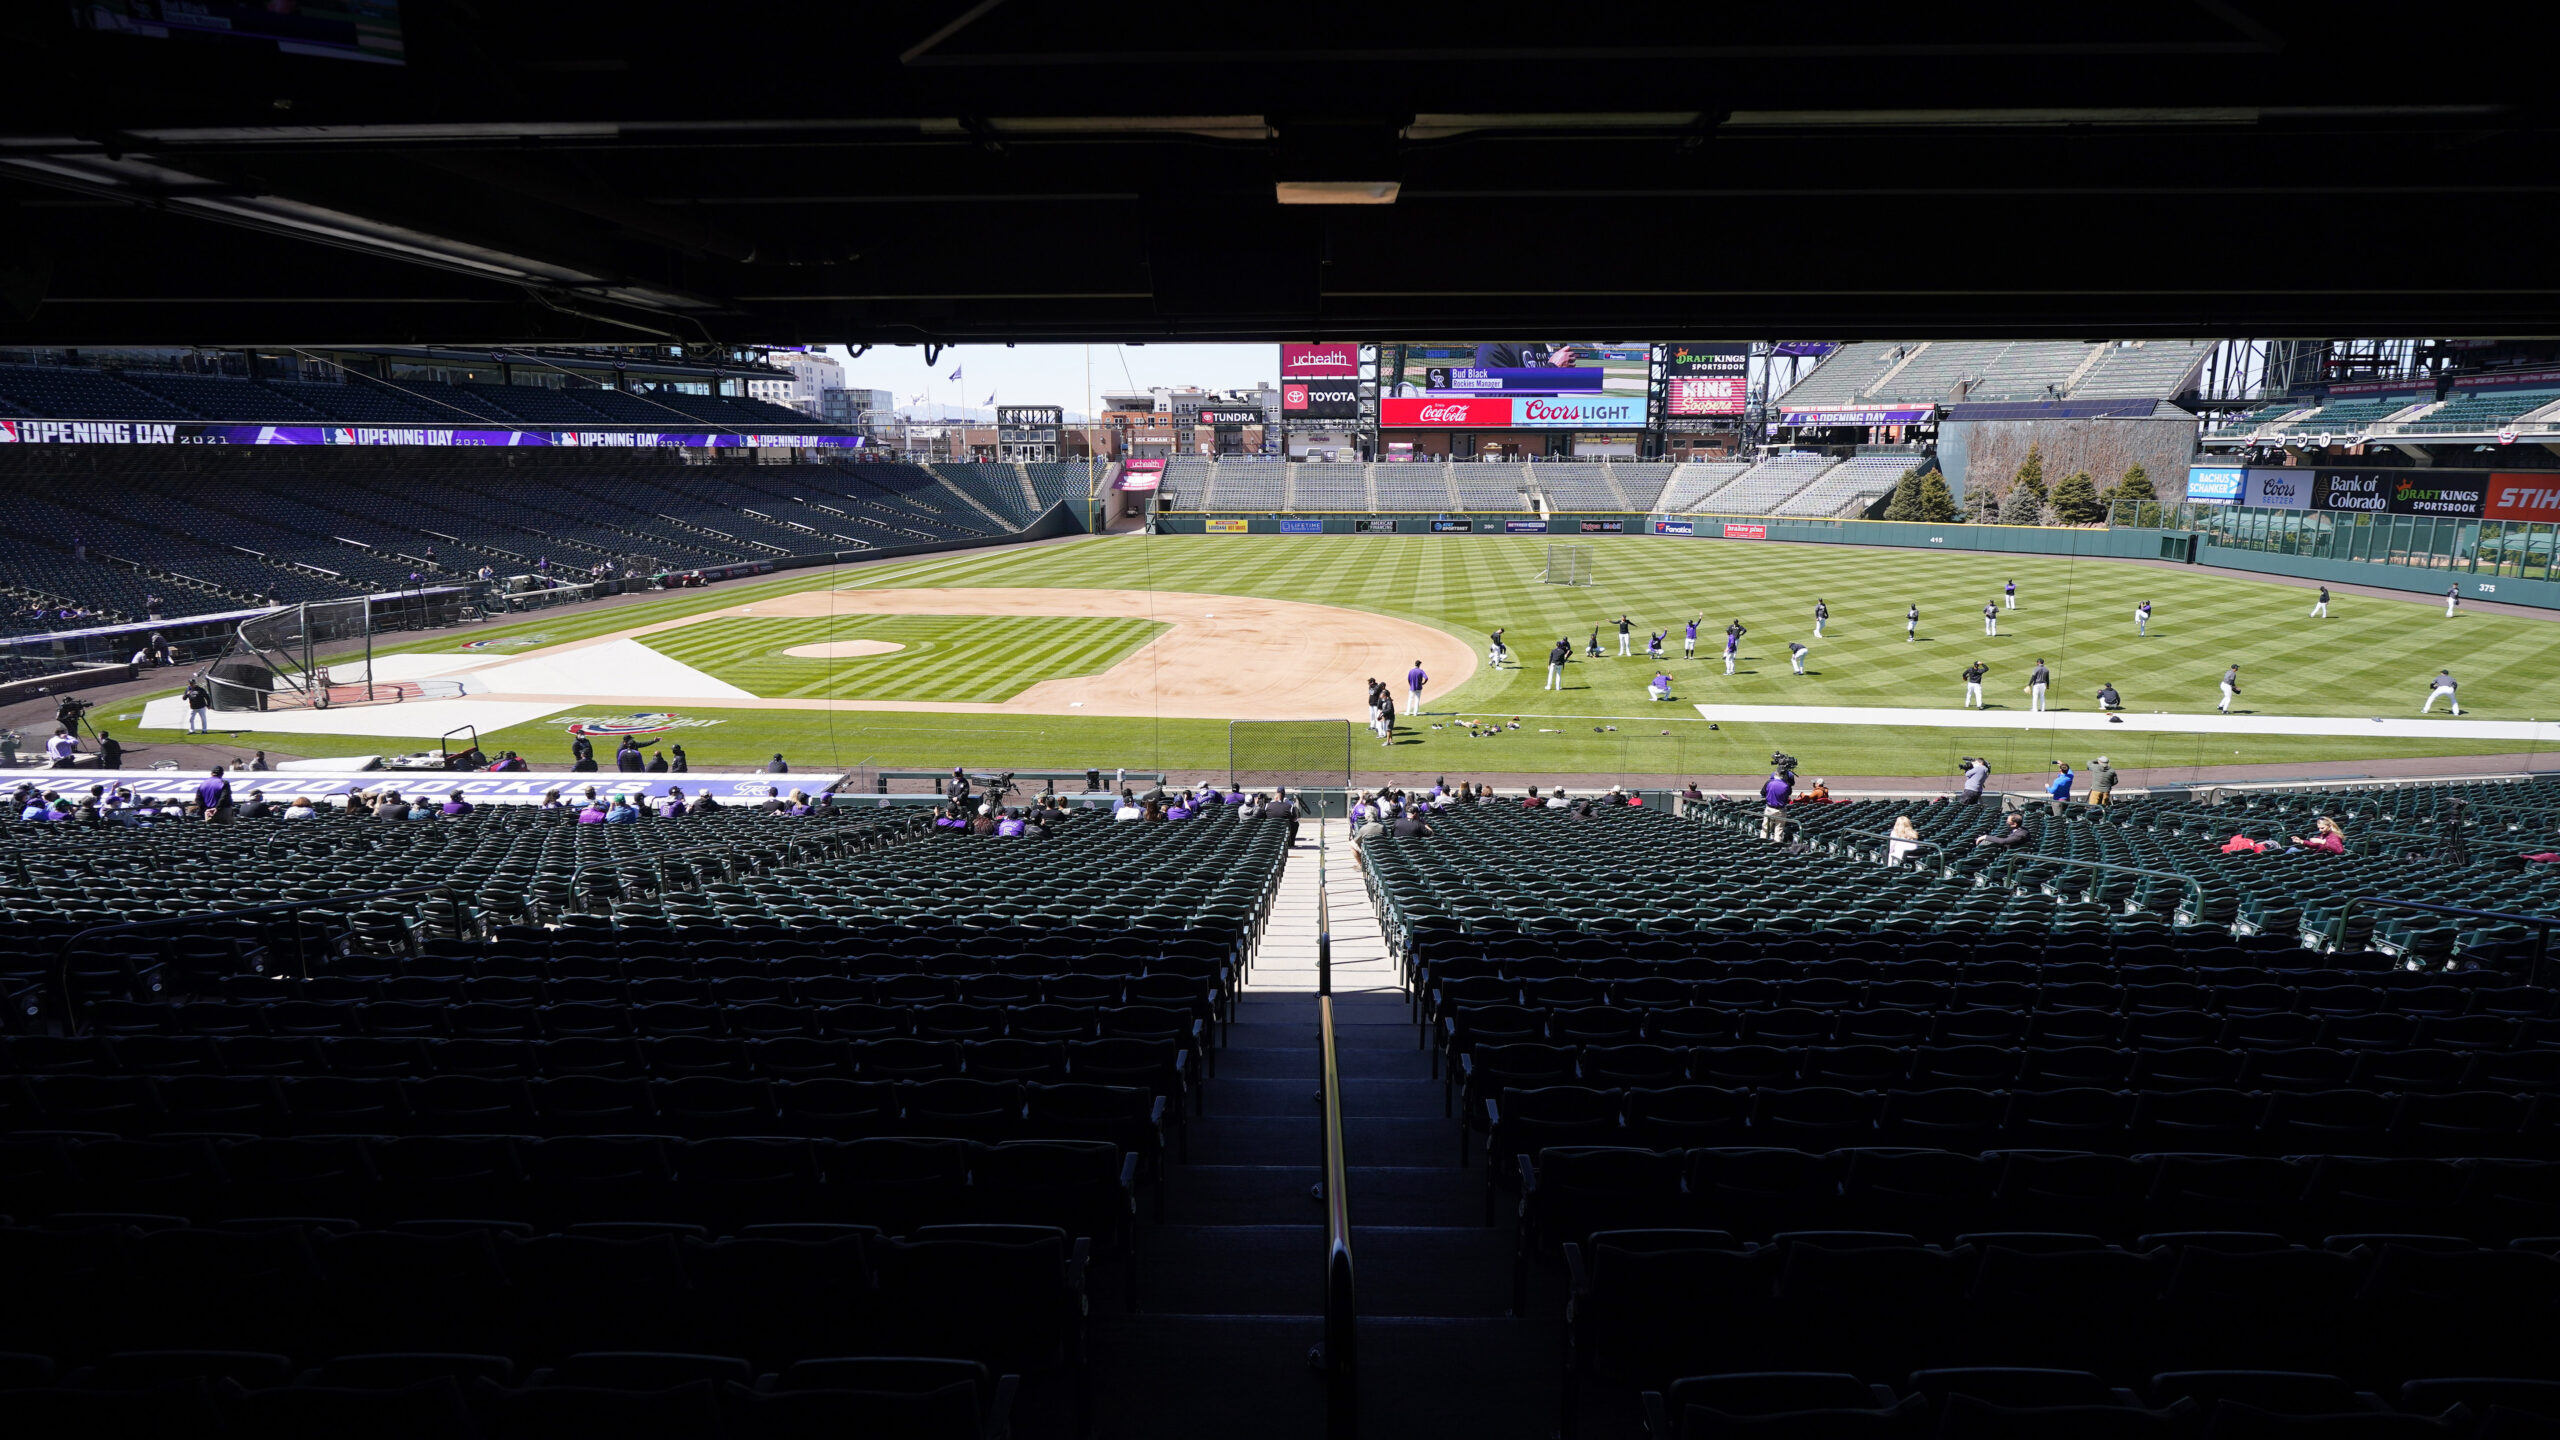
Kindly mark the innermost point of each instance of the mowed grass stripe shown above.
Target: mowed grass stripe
(947, 658)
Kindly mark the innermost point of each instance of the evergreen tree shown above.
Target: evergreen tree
(2075, 500)
(1937, 502)
(1905, 504)
(2027, 497)
(2136, 485)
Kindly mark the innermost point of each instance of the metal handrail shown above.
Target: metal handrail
(62, 956)
(2194, 886)
(2542, 924)
(1341, 1308)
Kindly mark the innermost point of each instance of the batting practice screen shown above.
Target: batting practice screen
(1288, 752)
(1568, 563)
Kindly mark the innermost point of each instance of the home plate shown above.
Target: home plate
(2391, 727)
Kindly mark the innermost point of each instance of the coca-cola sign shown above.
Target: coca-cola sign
(1331, 360)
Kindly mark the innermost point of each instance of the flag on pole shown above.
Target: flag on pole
(991, 397)
(955, 371)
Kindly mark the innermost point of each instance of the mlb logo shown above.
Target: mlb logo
(8, 432)
(343, 435)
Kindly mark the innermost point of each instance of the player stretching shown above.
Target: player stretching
(2441, 688)
(1973, 674)
(2142, 618)
(1795, 653)
(1821, 612)
(1689, 646)
(1625, 637)
(2036, 683)
(1555, 663)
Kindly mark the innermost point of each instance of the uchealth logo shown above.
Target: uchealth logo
(613, 727)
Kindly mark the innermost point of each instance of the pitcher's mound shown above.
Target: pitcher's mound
(843, 649)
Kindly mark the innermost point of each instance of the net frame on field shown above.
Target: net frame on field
(1568, 563)
(1265, 753)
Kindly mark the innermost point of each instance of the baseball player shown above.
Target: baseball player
(1555, 663)
(2441, 688)
(1990, 618)
(2452, 599)
(1821, 613)
(2142, 618)
(2320, 608)
(1495, 650)
(2010, 592)
(2230, 689)
(1653, 645)
(1911, 623)
(1414, 680)
(1689, 646)
(1732, 647)
(1795, 654)
(1973, 674)
(2036, 683)
(1625, 636)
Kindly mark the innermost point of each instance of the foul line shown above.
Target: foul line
(2392, 727)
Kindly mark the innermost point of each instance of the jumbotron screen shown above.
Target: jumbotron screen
(1511, 385)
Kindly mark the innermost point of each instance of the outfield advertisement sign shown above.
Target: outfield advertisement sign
(1374, 527)
(2459, 494)
(1675, 527)
(2216, 485)
(1333, 360)
(2279, 489)
(1237, 527)
(1299, 527)
(1514, 412)
(2523, 496)
(1867, 415)
(1604, 527)
(140, 432)
(1735, 530)
(1453, 527)
(1524, 527)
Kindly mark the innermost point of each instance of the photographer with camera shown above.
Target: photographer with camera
(1977, 773)
(1775, 792)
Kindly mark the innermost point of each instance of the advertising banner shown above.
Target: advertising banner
(1523, 384)
(1319, 399)
(1452, 527)
(1337, 359)
(1301, 527)
(141, 432)
(1524, 527)
(1237, 527)
(2366, 492)
(1675, 527)
(2527, 495)
(1707, 379)
(2216, 484)
(1140, 474)
(1735, 530)
(2507, 380)
(478, 787)
(1229, 415)
(1373, 527)
(2278, 489)
(2425, 492)
(1868, 415)
(1556, 412)
(1604, 527)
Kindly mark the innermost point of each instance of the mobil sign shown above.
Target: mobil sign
(2523, 495)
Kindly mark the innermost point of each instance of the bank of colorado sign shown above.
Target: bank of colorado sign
(1514, 412)
(2459, 494)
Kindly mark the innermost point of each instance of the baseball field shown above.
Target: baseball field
(1138, 650)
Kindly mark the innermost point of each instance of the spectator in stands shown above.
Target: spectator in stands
(2058, 789)
(36, 807)
(657, 764)
(1010, 827)
(419, 809)
(253, 808)
(582, 754)
(1557, 800)
(1180, 809)
(776, 765)
(984, 822)
(1775, 792)
(1154, 811)
(454, 806)
(627, 758)
(300, 809)
(1906, 838)
(2325, 836)
(623, 812)
(1370, 829)
(258, 762)
(799, 804)
(680, 766)
(1410, 825)
(671, 805)
(2102, 783)
(1284, 807)
(110, 752)
(1531, 801)
(1128, 808)
(702, 804)
(1820, 794)
(198, 700)
(214, 794)
(2013, 831)
(551, 800)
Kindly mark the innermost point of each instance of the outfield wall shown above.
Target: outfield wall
(2114, 544)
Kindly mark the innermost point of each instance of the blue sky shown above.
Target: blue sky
(1048, 374)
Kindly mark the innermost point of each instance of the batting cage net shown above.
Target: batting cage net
(274, 659)
(1568, 563)
(1288, 752)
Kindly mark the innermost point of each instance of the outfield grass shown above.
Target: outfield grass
(972, 658)
(2371, 657)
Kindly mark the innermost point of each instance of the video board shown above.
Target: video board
(1512, 385)
(1707, 380)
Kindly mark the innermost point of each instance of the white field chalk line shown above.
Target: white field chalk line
(2389, 727)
